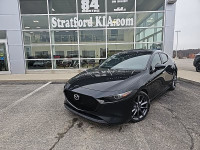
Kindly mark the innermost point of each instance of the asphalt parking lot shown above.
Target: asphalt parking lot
(32, 117)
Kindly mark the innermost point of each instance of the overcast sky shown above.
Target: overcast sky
(188, 22)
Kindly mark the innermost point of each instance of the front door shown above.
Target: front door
(4, 63)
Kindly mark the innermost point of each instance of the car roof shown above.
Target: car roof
(139, 51)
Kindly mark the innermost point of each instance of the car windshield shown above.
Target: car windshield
(127, 61)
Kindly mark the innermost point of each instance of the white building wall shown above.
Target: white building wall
(10, 21)
(169, 28)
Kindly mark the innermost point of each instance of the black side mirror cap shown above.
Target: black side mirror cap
(159, 66)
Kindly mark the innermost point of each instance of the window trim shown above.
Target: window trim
(162, 58)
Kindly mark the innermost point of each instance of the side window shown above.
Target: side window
(164, 58)
(156, 60)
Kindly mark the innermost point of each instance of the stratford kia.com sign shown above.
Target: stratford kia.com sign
(97, 21)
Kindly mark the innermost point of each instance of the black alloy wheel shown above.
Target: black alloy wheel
(173, 84)
(198, 67)
(141, 106)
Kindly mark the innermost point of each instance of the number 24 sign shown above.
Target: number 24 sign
(90, 5)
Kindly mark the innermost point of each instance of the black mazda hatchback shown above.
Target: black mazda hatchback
(122, 87)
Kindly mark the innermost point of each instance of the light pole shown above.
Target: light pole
(177, 44)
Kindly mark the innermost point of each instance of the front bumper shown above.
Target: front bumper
(111, 113)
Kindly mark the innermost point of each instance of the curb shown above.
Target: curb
(189, 81)
(33, 81)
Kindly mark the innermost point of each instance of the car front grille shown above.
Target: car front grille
(84, 103)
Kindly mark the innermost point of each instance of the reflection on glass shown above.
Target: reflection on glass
(149, 35)
(92, 21)
(64, 37)
(125, 6)
(2, 34)
(3, 58)
(90, 63)
(92, 36)
(93, 51)
(148, 19)
(63, 22)
(116, 48)
(33, 6)
(65, 51)
(120, 20)
(149, 5)
(65, 25)
(36, 37)
(66, 64)
(37, 52)
(91, 6)
(62, 6)
(35, 22)
(122, 61)
(150, 46)
(120, 35)
(38, 64)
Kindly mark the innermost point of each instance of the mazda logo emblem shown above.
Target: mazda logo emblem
(76, 97)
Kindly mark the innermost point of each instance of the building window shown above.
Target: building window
(62, 6)
(2, 34)
(33, 6)
(69, 34)
(70, 51)
(150, 5)
(92, 36)
(35, 22)
(64, 37)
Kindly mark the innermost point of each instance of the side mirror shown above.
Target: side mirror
(159, 67)
(101, 61)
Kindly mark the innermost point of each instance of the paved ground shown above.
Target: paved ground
(33, 118)
(185, 64)
(186, 70)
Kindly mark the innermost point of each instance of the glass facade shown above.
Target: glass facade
(75, 34)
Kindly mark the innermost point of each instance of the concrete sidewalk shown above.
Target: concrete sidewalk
(37, 77)
(182, 74)
(189, 75)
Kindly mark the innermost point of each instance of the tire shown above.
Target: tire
(198, 67)
(173, 84)
(141, 106)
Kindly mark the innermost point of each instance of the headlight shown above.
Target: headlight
(123, 95)
(114, 98)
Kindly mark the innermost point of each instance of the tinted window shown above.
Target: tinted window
(62, 6)
(156, 60)
(164, 58)
(150, 5)
(35, 22)
(118, 6)
(127, 61)
(33, 6)
(2, 34)
(36, 37)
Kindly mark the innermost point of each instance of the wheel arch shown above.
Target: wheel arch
(144, 90)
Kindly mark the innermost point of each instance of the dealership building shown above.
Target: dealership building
(71, 35)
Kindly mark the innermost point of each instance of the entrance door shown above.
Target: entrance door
(4, 65)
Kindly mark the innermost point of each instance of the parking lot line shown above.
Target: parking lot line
(23, 98)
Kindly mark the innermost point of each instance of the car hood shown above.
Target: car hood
(101, 79)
